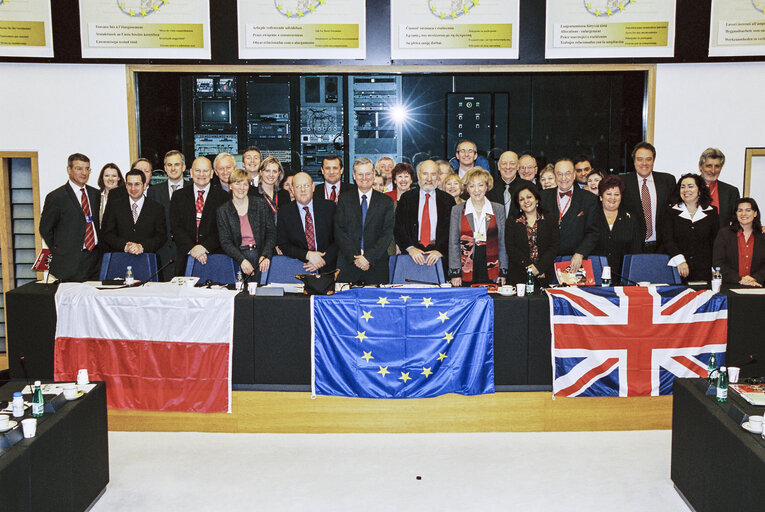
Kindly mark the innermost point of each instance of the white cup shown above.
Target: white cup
(505, 289)
(251, 287)
(756, 422)
(82, 377)
(606, 273)
(716, 284)
(70, 391)
(5, 420)
(520, 289)
(733, 374)
(340, 286)
(29, 425)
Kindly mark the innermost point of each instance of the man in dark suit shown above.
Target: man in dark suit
(175, 166)
(575, 210)
(582, 168)
(422, 219)
(305, 227)
(363, 229)
(647, 194)
(332, 170)
(135, 224)
(69, 224)
(505, 188)
(143, 165)
(724, 196)
(193, 218)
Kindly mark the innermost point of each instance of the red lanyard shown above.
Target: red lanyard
(275, 204)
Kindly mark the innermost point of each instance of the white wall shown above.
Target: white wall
(709, 105)
(59, 109)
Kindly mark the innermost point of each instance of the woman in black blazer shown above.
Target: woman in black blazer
(251, 245)
(532, 239)
(618, 231)
(271, 175)
(689, 229)
(734, 244)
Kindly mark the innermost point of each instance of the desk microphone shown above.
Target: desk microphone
(749, 359)
(155, 274)
(622, 278)
(415, 281)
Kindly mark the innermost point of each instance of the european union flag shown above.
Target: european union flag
(403, 342)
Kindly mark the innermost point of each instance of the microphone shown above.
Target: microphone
(749, 359)
(155, 274)
(622, 278)
(415, 281)
(163, 267)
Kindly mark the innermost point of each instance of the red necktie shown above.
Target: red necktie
(645, 198)
(564, 194)
(310, 238)
(425, 224)
(200, 207)
(90, 233)
(333, 195)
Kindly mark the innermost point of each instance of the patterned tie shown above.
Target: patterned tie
(645, 198)
(90, 233)
(135, 213)
(425, 224)
(364, 207)
(333, 195)
(200, 206)
(310, 238)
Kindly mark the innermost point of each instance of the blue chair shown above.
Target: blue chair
(402, 266)
(220, 268)
(114, 265)
(598, 262)
(282, 270)
(649, 267)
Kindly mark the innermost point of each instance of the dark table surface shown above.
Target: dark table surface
(716, 464)
(65, 467)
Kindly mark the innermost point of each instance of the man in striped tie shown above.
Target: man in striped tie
(69, 227)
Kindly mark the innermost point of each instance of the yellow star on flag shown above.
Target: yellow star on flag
(405, 298)
(621, 6)
(383, 301)
(383, 371)
(405, 377)
(361, 335)
(442, 15)
(433, 9)
(321, 2)
(367, 355)
(475, 2)
(453, 15)
(441, 357)
(300, 13)
(289, 13)
(442, 317)
(312, 8)
(466, 9)
(609, 12)
(155, 7)
(426, 372)
(278, 6)
(597, 12)
(131, 12)
(588, 6)
(427, 302)
(143, 12)
(448, 337)
(122, 6)
(367, 315)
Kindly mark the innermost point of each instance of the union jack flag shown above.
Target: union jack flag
(633, 341)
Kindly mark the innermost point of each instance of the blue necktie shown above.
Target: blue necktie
(363, 218)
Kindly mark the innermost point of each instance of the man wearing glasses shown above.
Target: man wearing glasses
(467, 153)
(527, 168)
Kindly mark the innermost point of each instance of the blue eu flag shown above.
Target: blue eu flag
(403, 342)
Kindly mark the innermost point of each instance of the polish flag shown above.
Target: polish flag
(158, 347)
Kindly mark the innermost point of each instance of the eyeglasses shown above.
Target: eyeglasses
(303, 186)
(466, 151)
(528, 167)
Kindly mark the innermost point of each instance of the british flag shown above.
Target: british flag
(633, 341)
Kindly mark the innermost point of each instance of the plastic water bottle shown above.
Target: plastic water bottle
(18, 404)
(38, 402)
(529, 282)
(722, 385)
(239, 281)
(712, 367)
(129, 279)
(716, 280)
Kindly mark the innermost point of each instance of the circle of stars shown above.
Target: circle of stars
(142, 13)
(452, 15)
(606, 13)
(758, 4)
(405, 376)
(313, 4)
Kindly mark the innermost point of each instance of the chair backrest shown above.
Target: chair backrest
(403, 267)
(220, 268)
(649, 267)
(282, 270)
(598, 262)
(114, 265)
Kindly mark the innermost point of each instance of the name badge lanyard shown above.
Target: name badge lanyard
(562, 211)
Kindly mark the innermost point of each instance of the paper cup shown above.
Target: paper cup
(606, 273)
(29, 425)
(733, 374)
(251, 288)
(716, 285)
(82, 377)
(520, 289)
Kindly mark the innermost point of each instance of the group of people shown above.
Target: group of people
(480, 228)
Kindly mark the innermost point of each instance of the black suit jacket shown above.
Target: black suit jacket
(577, 234)
(624, 238)
(725, 256)
(407, 225)
(728, 195)
(62, 226)
(282, 198)
(377, 231)
(694, 240)
(291, 235)
(318, 193)
(497, 194)
(160, 193)
(519, 252)
(261, 223)
(665, 184)
(150, 230)
(183, 223)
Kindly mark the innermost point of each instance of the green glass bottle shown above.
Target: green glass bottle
(712, 367)
(529, 282)
(38, 402)
(722, 385)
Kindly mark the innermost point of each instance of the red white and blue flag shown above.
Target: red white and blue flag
(633, 341)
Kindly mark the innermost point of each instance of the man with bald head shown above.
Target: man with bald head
(306, 227)
(193, 216)
(527, 168)
(422, 218)
(505, 188)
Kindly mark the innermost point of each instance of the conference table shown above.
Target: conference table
(272, 338)
(716, 464)
(65, 467)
